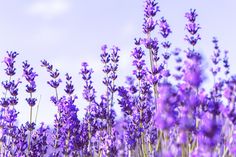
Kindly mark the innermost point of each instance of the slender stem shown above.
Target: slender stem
(141, 124)
(89, 136)
(5, 94)
(159, 144)
(150, 147)
(37, 110)
(130, 153)
(152, 68)
(183, 150)
(30, 134)
(112, 101)
(0, 148)
(31, 112)
(67, 144)
(108, 105)
(57, 129)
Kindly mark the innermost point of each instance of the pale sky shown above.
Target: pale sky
(68, 32)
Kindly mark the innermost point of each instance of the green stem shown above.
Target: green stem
(57, 131)
(37, 110)
(150, 147)
(67, 144)
(30, 134)
(159, 144)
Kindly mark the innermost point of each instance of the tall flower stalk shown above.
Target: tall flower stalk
(30, 76)
(89, 96)
(8, 112)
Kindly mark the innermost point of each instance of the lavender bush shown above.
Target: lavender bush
(166, 112)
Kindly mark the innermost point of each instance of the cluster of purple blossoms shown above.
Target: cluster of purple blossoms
(192, 28)
(30, 76)
(8, 113)
(166, 112)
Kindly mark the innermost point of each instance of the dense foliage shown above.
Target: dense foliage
(166, 112)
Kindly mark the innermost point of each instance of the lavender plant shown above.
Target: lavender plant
(166, 112)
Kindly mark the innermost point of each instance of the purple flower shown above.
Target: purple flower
(108, 143)
(192, 28)
(164, 28)
(226, 62)
(192, 72)
(70, 126)
(151, 8)
(10, 61)
(209, 134)
(192, 40)
(28, 72)
(149, 25)
(55, 82)
(191, 16)
(30, 76)
(89, 91)
(69, 86)
(39, 144)
(167, 102)
(139, 63)
(31, 101)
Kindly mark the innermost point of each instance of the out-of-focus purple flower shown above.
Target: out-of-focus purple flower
(209, 133)
(229, 90)
(192, 72)
(167, 102)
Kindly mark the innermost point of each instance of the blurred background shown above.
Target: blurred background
(68, 32)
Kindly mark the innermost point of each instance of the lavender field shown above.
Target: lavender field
(165, 100)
